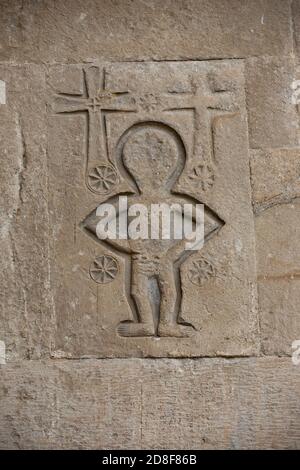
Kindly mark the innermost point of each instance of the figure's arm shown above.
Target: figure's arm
(98, 225)
(201, 229)
(179, 246)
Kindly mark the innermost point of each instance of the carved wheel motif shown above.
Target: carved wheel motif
(148, 102)
(104, 269)
(201, 270)
(204, 174)
(102, 178)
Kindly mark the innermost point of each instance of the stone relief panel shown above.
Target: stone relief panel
(156, 133)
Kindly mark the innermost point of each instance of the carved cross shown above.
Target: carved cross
(96, 101)
(203, 102)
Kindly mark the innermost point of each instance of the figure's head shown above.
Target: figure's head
(154, 156)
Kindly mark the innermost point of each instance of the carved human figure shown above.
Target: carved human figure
(151, 156)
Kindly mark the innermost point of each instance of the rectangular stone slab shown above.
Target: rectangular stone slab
(69, 31)
(244, 403)
(25, 307)
(193, 109)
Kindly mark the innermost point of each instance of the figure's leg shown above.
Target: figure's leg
(170, 304)
(139, 292)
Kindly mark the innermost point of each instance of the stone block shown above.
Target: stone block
(279, 313)
(112, 315)
(75, 32)
(275, 176)
(272, 114)
(25, 300)
(278, 258)
(296, 27)
(277, 241)
(142, 404)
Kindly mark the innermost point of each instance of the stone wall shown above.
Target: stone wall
(224, 75)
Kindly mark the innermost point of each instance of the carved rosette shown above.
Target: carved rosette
(104, 269)
(102, 179)
(204, 175)
(201, 270)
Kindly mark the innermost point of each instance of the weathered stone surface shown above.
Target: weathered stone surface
(273, 120)
(279, 311)
(160, 101)
(296, 27)
(277, 241)
(164, 404)
(25, 305)
(185, 83)
(296, 95)
(124, 30)
(275, 176)
(278, 260)
(11, 157)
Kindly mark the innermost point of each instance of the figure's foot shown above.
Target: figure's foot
(136, 329)
(176, 330)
